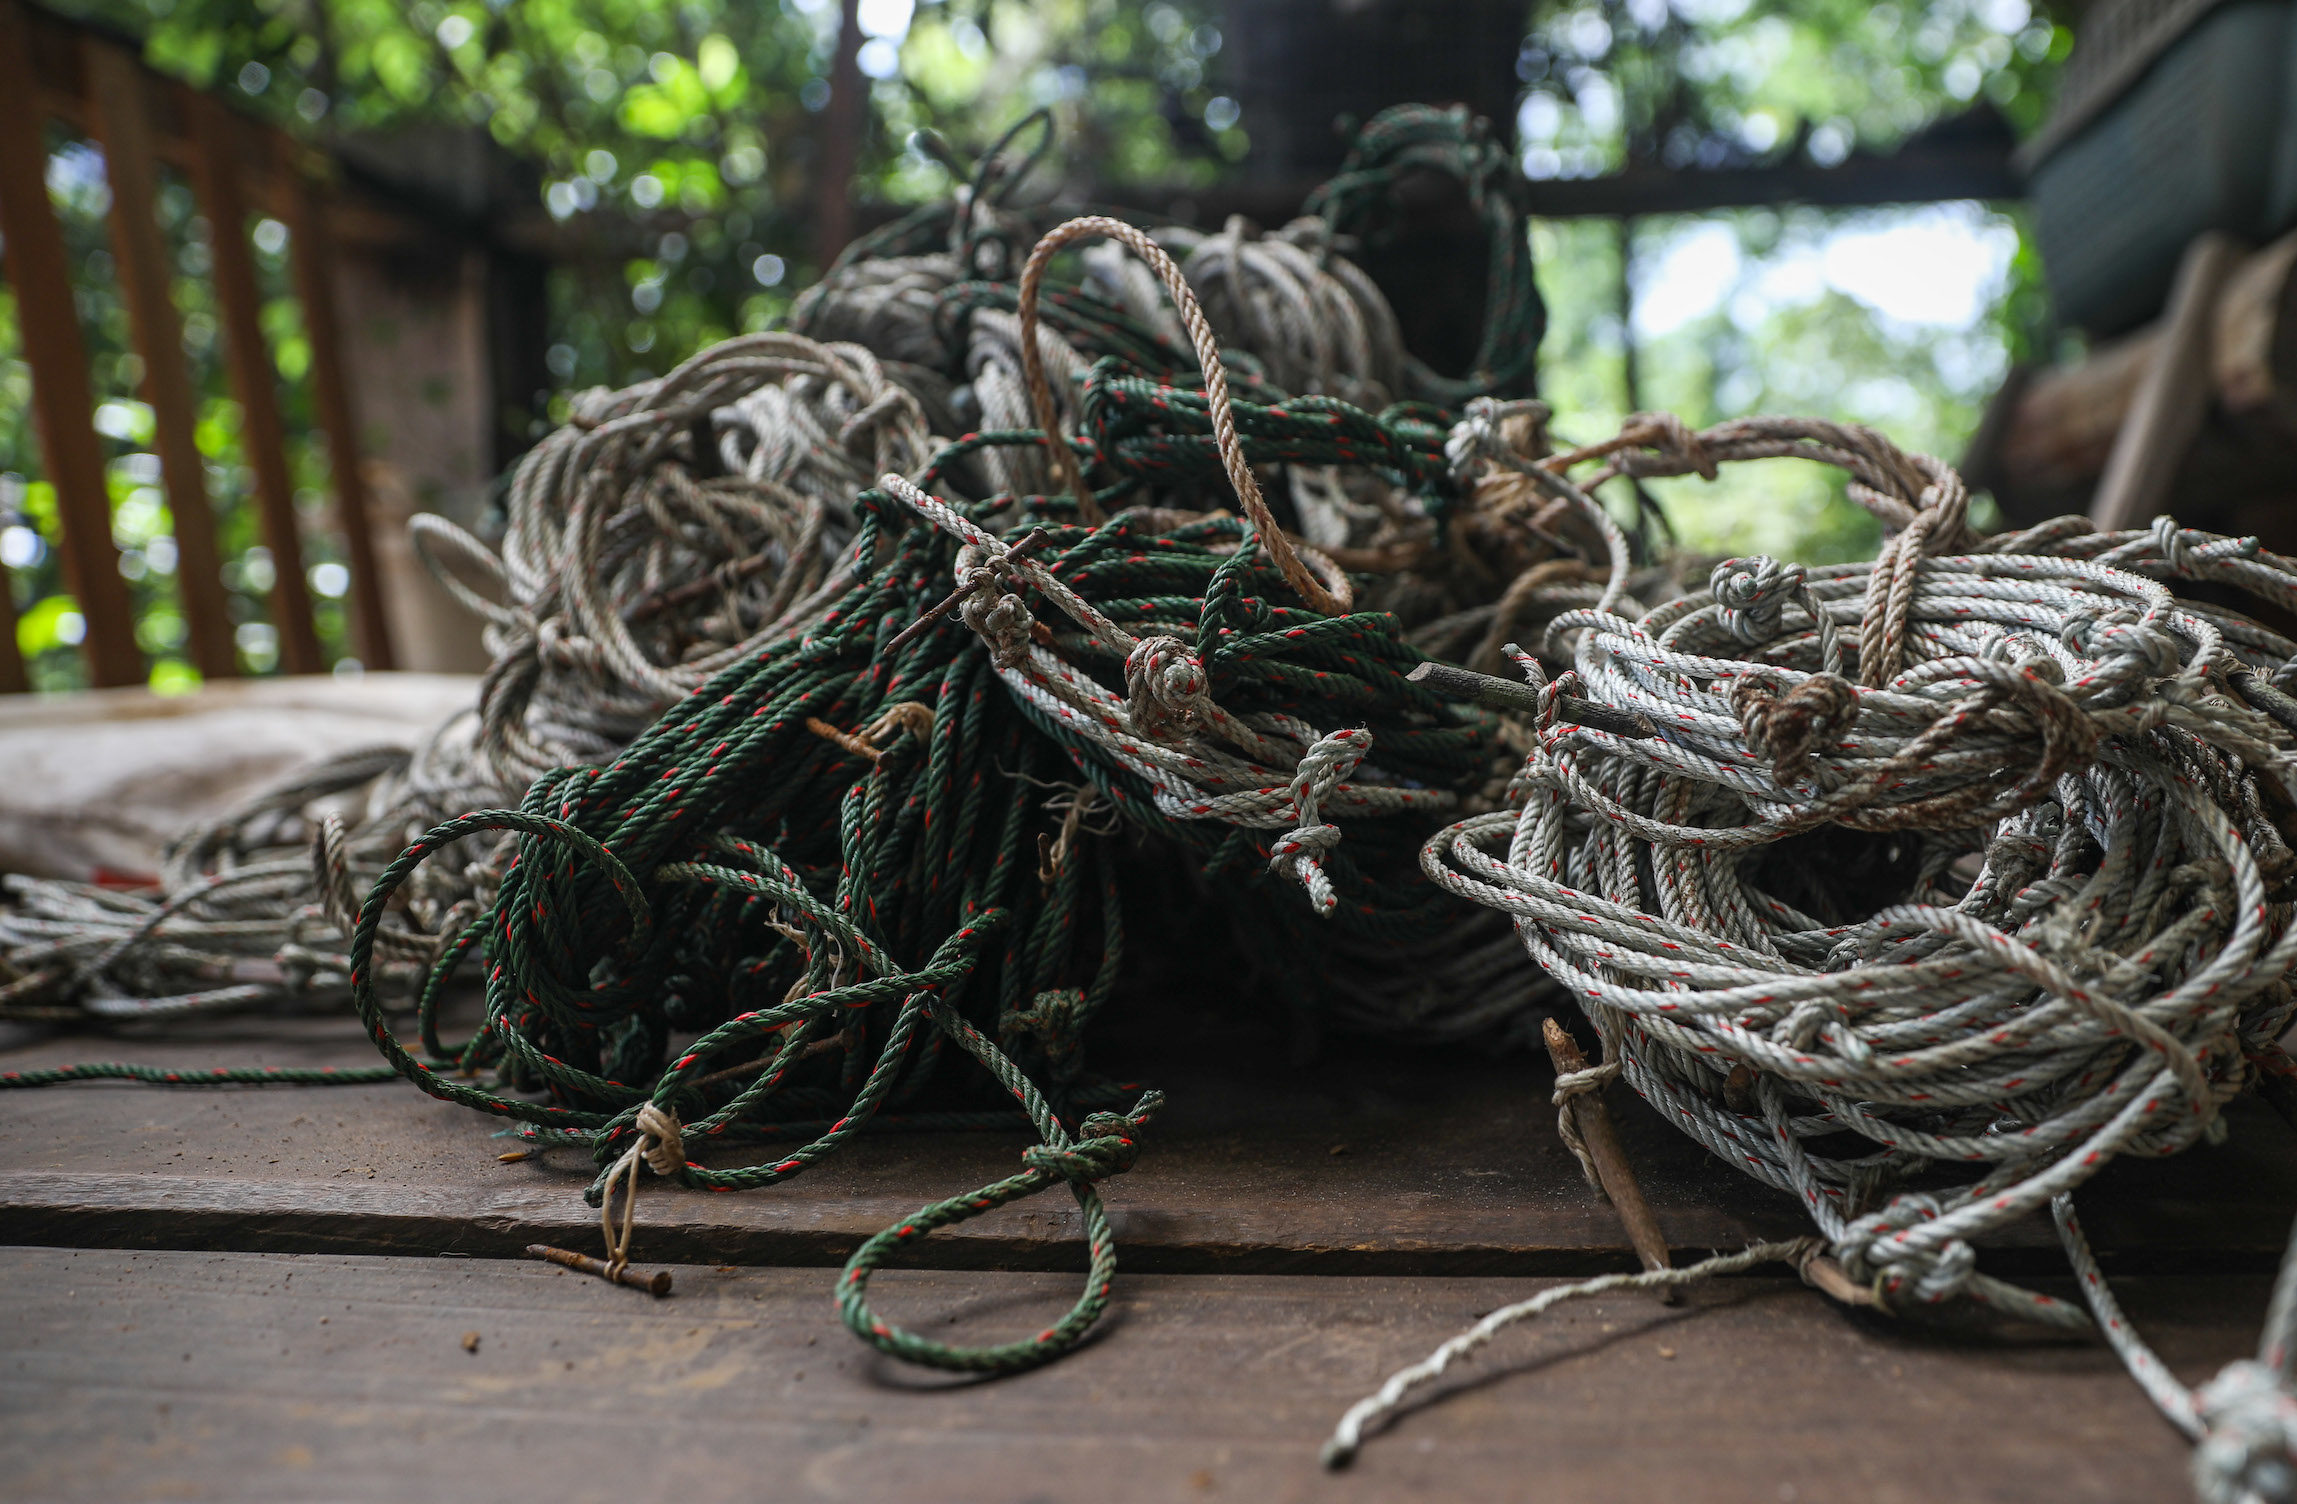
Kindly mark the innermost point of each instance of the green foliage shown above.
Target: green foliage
(1721, 83)
(676, 146)
(683, 136)
(49, 625)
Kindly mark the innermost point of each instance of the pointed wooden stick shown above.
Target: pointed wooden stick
(1611, 1167)
(657, 1283)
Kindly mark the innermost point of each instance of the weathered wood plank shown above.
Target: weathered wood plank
(1450, 1165)
(120, 93)
(314, 253)
(253, 1377)
(53, 348)
(221, 139)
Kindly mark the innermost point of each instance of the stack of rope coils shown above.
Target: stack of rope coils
(2063, 778)
(772, 915)
(829, 845)
(676, 527)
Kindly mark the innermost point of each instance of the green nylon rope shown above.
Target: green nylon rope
(738, 878)
(833, 933)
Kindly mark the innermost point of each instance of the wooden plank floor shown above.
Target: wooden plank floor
(255, 1377)
(239, 1294)
(1369, 1162)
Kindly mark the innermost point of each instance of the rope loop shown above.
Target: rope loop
(1079, 1165)
(661, 1146)
(1247, 486)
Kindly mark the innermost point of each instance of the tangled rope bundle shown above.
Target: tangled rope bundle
(779, 913)
(772, 915)
(676, 527)
(2063, 786)
(638, 560)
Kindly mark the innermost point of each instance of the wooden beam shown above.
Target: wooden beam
(162, 1373)
(119, 93)
(263, 436)
(331, 390)
(1919, 172)
(1915, 174)
(2172, 398)
(53, 348)
(844, 119)
(13, 679)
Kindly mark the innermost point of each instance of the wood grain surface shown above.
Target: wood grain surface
(1370, 1161)
(272, 1377)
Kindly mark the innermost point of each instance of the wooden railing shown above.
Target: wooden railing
(96, 85)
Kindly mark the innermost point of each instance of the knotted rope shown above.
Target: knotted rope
(1569, 1084)
(2050, 921)
(660, 1146)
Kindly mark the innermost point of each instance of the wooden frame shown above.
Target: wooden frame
(50, 68)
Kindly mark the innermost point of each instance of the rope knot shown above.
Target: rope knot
(1299, 853)
(1670, 435)
(996, 615)
(2248, 1444)
(1055, 1019)
(2123, 635)
(1927, 1275)
(1168, 688)
(666, 1153)
(2183, 549)
(1751, 595)
(1086, 1160)
(1107, 1144)
(1493, 431)
(1569, 1084)
(1791, 728)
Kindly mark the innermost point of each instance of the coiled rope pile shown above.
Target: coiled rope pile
(676, 527)
(637, 562)
(785, 909)
(2064, 779)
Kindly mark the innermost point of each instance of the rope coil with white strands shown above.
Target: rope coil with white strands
(2063, 783)
(667, 530)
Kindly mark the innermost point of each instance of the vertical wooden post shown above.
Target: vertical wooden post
(13, 679)
(2172, 399)
(219, 147)
(331, 390)
(59, 360)
(843, 121)
(117, 85)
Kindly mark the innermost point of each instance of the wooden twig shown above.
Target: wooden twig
(1611, 1167)
(1037, 539)
(1494, 693)
(657, 1283)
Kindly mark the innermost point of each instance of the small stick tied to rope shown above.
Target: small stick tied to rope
(1584, 1123)
(662, 1146)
